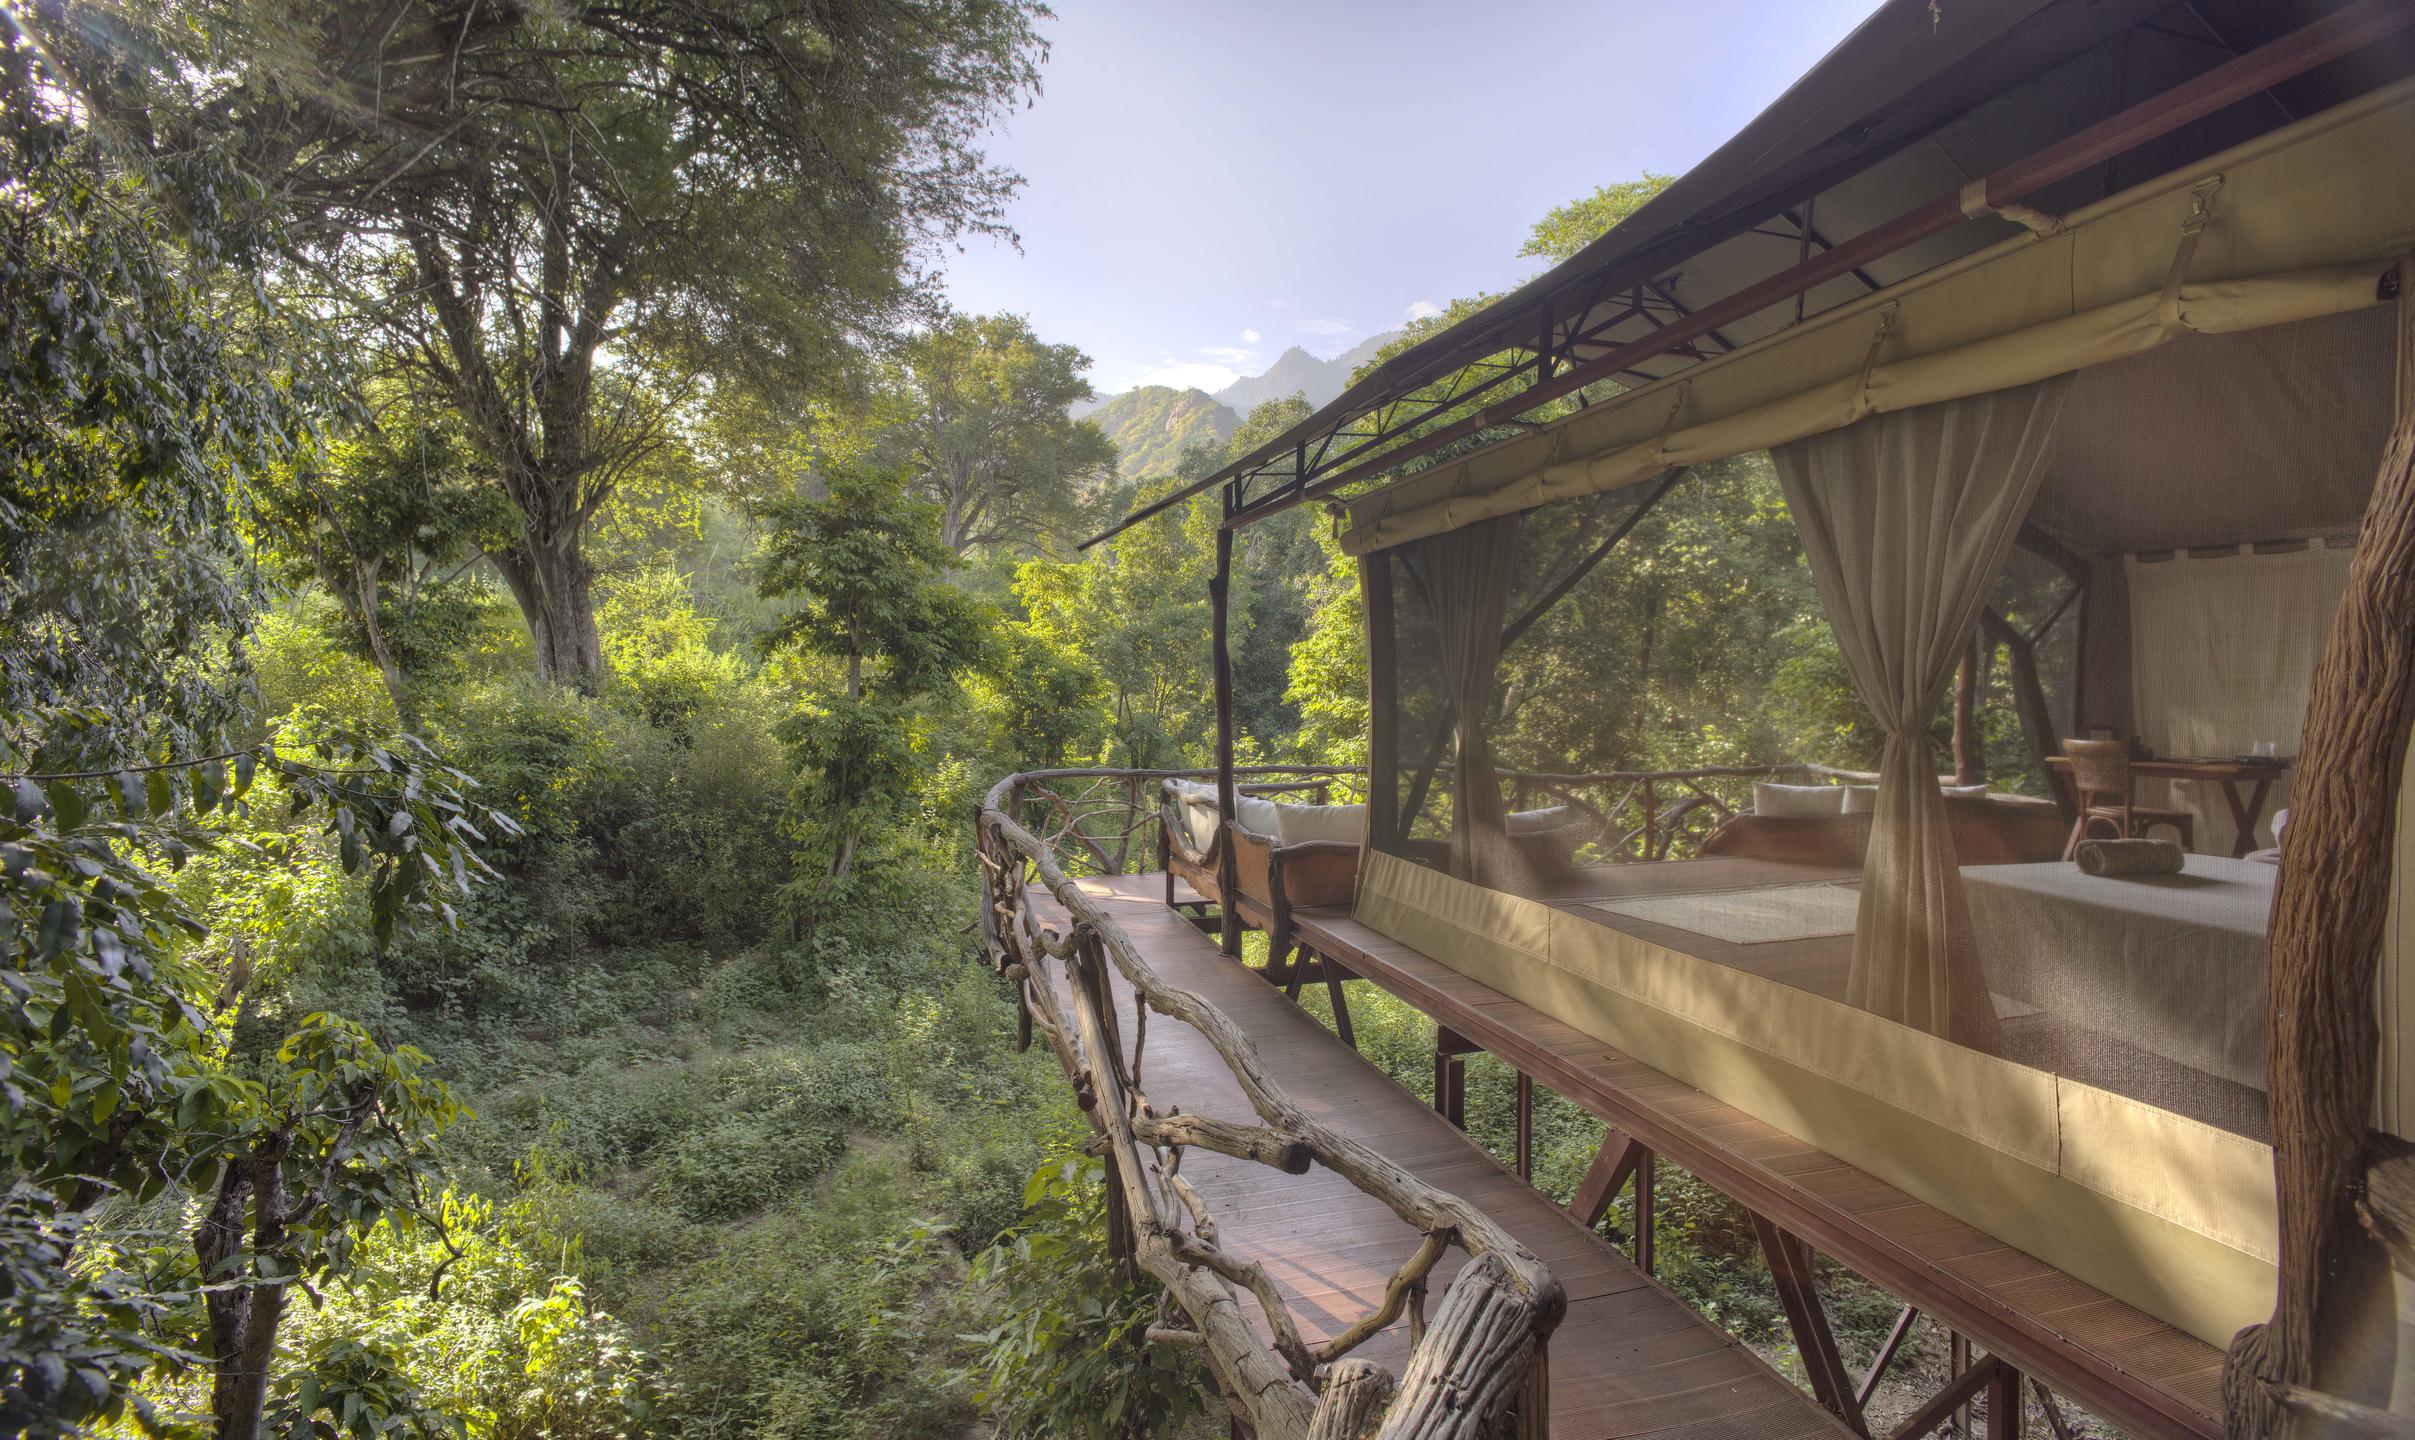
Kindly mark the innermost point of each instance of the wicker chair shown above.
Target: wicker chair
(2107, 795)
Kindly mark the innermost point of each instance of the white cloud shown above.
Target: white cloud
(1229, 354)
(1180, 374)
(1328, 326)
(1424, 310)
(1250, 337)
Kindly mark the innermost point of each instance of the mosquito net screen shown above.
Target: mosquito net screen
(1816, 777)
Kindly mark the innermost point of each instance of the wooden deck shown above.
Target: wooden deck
(2134, 1370)
(1631, 1359)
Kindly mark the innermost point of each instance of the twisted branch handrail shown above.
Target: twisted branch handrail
(1478, 1360)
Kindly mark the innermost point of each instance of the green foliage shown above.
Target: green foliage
(974, 408)
(1569, 228)
(1070, 1355)
(1153, 426)
(481, 1332)
(870, 571)
(1138, 610)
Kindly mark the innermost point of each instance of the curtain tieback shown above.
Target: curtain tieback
(1878, 341)
(2201, 211)
(2036, 222)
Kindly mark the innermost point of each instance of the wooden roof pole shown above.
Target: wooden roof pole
(2325, 1354)
(1220, 648)
(2340, 33)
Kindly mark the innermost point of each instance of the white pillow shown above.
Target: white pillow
(1195, 809)
(1797, 802)
(1259, 816)
(1967, 792)
(1860, 799)
(1301, 824)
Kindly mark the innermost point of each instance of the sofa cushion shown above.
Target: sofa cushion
(1259, 816)
(1797, 802)
(1304, 824)
(1194, 813)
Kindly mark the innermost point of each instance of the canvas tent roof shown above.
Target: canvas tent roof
(1916, 101)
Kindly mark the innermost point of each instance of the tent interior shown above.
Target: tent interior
(2186, 549)
(1925, 983)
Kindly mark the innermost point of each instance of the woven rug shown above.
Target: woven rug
(1749, 917)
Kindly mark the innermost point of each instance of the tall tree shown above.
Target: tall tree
(976, 409)
(865, 563)
(550, 217)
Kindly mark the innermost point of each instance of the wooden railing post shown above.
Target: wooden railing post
(1228, 875)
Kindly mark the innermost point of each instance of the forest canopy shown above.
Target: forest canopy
(512, 583)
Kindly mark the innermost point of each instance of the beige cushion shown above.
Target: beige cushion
(1259, 816)
(1195, 812)
(1798, 802)
(1967, 792)
(1303, 824)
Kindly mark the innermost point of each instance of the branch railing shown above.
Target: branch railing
(1476, 1366)
(1102, 822)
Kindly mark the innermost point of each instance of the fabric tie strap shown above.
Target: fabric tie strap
(2037, 222)
(2201, 211)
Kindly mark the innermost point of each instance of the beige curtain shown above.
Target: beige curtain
(1466, 577)
(1906, 520)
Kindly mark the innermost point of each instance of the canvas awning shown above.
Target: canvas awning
(2296, 224)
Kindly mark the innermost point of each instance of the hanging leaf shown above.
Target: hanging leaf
(66, 804)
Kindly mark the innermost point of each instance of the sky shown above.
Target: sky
(1210, 181)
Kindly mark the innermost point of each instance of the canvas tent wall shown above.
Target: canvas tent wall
(2266, 267)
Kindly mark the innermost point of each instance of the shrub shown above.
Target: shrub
(1070, 1354)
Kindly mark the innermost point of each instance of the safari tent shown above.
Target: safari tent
(2075, 336)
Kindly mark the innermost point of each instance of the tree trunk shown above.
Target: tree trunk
(551, 579)
(1970, 765)
(2328, 914)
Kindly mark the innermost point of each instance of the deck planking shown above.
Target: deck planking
(1630, 1360)
(2135, 1370)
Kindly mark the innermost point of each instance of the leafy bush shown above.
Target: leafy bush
(1070, 1355)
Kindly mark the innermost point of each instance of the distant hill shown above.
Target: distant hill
(1152, 425)
(1296, 371)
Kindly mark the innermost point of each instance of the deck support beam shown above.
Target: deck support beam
(1790, 1268)
(1956, 1395)
(1612, 1164)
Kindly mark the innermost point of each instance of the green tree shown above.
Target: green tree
(143, 386)
(388, 520)
(1137, 608)
(866, 565)
(551, 219)
(1569, 228)
(975, 409)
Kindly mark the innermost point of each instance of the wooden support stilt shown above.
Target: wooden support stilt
(1886, 1356)
(2004, 1404)
(2052, 1410)
(1450, 1074)
(1526, 1126)
(1334, 975)
(1611, 1166)
(1954, 1399)
(1790, 1268)
(1958, 1366)
(1645, 1186)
